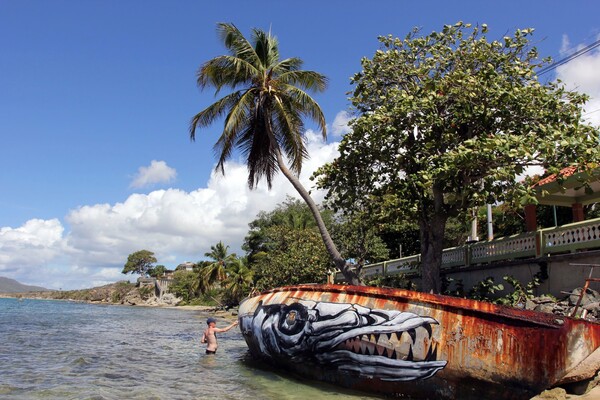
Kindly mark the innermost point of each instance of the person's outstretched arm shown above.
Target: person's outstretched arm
(227, 328)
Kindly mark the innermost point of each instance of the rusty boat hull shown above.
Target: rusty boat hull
(417, 345)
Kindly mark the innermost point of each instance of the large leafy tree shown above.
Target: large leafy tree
(359, 239)
(263, 115)
(292, 213)
(446, 122)
(139, 262)
(295, 256)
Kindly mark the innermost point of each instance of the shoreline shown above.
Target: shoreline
(212, 310)
(231, 315)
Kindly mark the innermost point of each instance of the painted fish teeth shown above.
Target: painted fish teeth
(428, 329)
(382, 345)
(413, 335)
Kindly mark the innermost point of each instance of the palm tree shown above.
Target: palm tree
(239, 279)
(264, 114)
(215, 271)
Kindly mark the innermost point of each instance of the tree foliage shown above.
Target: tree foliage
(139, 262)
(292, 213)
(185, 284)
(157, 271)
(239, 281)
(295, 256)
(215, 271)
(445, 123)
(358, 239)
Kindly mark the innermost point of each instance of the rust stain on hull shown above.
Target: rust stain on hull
(485, 346)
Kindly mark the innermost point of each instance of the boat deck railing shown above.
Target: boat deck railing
(568, 238)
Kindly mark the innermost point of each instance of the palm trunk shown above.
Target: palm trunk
(350, 275)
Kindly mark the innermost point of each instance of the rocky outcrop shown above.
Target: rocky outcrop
(167, 299)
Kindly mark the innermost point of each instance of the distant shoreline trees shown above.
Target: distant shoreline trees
(139, 262)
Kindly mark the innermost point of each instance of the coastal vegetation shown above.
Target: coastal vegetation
(446, 123)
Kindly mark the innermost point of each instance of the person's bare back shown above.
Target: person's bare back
(209, 336)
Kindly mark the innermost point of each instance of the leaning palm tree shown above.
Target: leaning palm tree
(264, 114)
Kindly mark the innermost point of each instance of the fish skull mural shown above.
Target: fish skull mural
(386, 344)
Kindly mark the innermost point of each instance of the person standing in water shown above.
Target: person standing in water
(209, 336)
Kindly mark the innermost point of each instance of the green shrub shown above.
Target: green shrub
(399, 281)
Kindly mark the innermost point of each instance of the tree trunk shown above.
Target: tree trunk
(350, 275)
(432, 245)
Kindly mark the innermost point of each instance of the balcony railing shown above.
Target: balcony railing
(577, 236)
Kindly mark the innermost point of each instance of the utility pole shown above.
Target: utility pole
(490, 222)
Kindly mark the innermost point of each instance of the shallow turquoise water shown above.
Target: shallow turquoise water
(67, 350)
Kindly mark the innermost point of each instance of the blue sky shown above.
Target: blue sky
(96, 98)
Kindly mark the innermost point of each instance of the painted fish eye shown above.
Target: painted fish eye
(294, 319)
(291, 318)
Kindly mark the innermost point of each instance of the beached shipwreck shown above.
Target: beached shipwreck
(417, 345)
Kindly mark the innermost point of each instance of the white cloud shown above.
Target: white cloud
(340, 124)
(176, 225)
(565, 47)
(36, 242)
(156, 172)
(581, 74)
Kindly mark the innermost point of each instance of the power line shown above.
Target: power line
(565, 60)
(591, 112)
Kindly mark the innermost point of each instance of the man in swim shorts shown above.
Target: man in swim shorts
(209, 336)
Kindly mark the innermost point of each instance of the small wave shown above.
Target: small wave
(81, 361)
(116, 377)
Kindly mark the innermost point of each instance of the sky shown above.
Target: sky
(96, 99)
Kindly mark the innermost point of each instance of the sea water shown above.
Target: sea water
(68, 350)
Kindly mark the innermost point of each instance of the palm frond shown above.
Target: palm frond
(307, 80)
(225, 71)
(289, 64)
(240, 111)
(306, 105)
(258, 146)
(207, 116)
(237, 44)
(286, 125)
(266, 47)
(238, 117)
